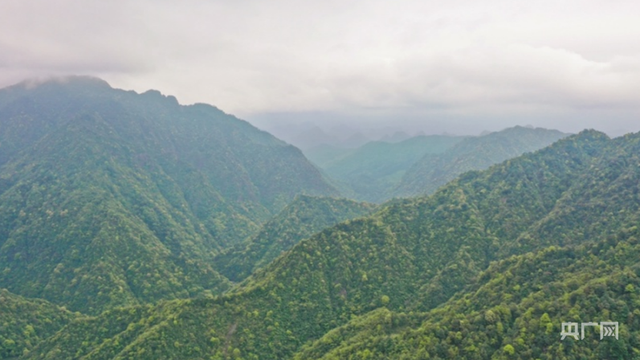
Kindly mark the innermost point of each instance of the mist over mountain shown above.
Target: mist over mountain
(370, 172)
(380, 170)
(339, 180)
(182, 232)
(323, 130)
(473, 153)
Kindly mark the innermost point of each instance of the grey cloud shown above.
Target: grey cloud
(369, 60)
(70, 36)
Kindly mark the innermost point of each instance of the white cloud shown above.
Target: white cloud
(249, 57)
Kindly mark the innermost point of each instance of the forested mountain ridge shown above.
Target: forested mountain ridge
(473, 153)
(26, 322)
(198, 135)
(305, 216)
(515, 310)
(372, 170)
(411, 255)
(516, 307)
(111, 198)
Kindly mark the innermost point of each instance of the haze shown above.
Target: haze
(349, 66)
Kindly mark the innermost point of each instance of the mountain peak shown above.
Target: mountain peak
(592, 133)
(172, 185)
(73, 80)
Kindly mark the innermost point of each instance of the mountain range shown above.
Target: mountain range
(112, 198)
(432, 171)
(133, 227)
(379, 171)
(371, 170)
(467, 272)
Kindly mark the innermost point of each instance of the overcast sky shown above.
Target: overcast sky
(458, 66)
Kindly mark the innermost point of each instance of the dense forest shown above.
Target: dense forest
(378, 171)
(305, 216)
(132, 227)
(26, 322)
(111, 198)
(422, 276)
(430, 172)
(371, 171)
(513, 311)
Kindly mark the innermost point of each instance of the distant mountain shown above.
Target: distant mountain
(474, 153)
(324, 155)
(110, 198)
(397, 137)
(305, 216)
(371, 171)
(308, 136)
(312, 137)
(466, 272)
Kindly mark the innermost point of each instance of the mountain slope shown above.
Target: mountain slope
(516, 307)
(375, 168)
(515, 310)
(26, 322)
(112, 198)
(305, 216)
(411, 255)
(474, 153)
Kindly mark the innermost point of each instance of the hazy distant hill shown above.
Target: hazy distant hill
(113, 198)
(306, 135)
(474, 153)
(323, 155)
(305, 216)
(374, 169)
(398, 136)
(554, 231)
